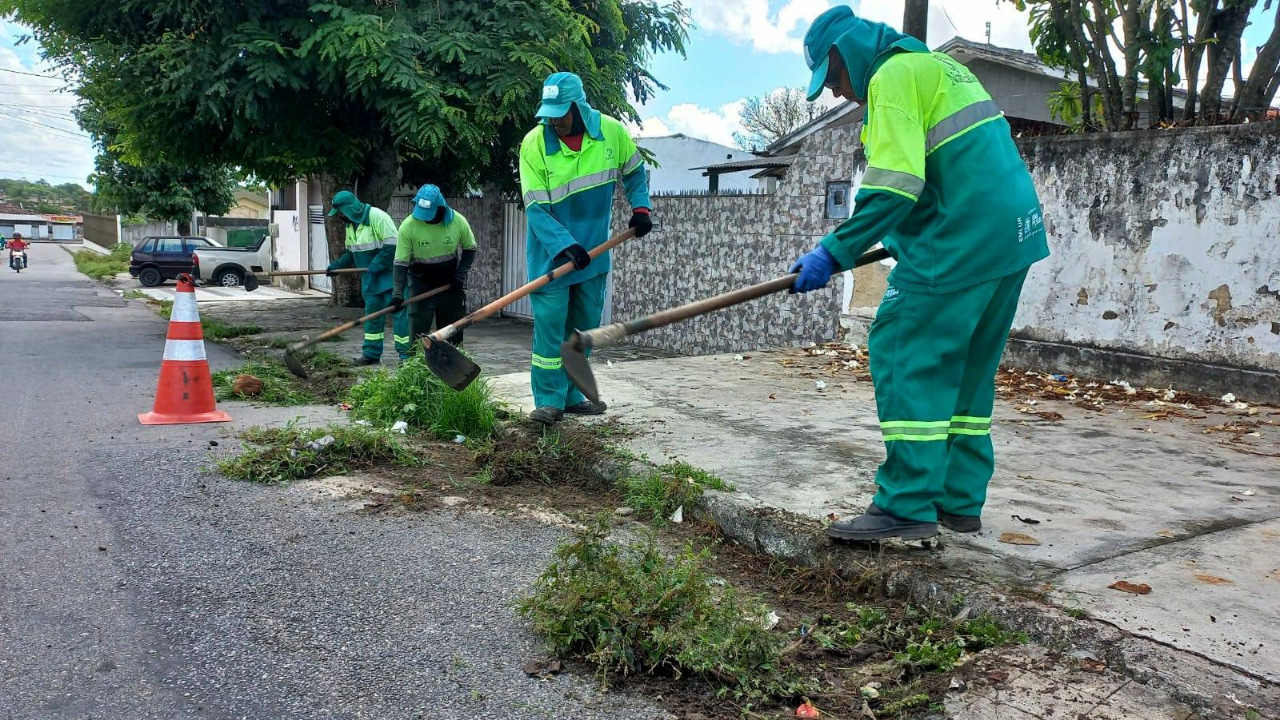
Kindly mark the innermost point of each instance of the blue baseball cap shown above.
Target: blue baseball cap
(559, 92)
(427, 201)
(820, 39)
(346, 202)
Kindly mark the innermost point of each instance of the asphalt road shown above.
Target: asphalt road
(135, 584)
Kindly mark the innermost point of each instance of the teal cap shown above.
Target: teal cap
(427, 201)
(346, 202)
(819, 40)
(560, 91)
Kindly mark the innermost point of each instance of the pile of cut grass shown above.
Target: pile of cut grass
(278, 455)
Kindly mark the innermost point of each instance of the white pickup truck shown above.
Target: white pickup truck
(229, 266)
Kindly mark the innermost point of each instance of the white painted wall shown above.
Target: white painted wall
(677, 153)
(1165, 243)
(290, 251)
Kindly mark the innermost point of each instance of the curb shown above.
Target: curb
(944, 582)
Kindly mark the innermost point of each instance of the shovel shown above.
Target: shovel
(457, 370)
(251, 281)
(574, 350)
(295, 366)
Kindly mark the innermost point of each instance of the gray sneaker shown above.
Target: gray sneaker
(365, 360)
(586, 407)
(876, 524)
(959, 523)
(547, 415)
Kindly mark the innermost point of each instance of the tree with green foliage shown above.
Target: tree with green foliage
(365, 94)
(1115, 49)
(41, 197)
(371, 91)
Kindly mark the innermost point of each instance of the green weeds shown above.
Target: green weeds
(633, 610)
(279, 387)
(278, 455)
(660, 491)
(101, 267)
(414, 394)
(215, 329)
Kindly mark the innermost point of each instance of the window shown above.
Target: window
(147, 245)
(169, 245)
(197, 243)
(838, 201)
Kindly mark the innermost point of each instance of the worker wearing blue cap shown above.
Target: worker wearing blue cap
(371, 244)
(570, 166)
(948, 194)
(436, 247)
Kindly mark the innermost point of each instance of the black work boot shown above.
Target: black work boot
(587, 407)
(876, 524)
(547, 415)
(365, 360)
(959, 523)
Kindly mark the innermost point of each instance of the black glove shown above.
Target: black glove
(641, 222)
(397, 302)
(576, 254)
(459, 282)
(329, 272)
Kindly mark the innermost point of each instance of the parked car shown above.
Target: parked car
(229, 266)
(157, 259)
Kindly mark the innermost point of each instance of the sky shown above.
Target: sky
(737, 49)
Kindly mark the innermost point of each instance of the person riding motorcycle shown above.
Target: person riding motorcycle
(17, 243)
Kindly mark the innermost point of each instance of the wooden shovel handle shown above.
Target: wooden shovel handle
(362, 320)
(449, 331)
(292, 273)
(613, 334)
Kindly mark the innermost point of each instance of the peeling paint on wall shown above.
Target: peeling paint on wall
(1175, 230)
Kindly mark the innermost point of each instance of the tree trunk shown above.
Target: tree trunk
(1227, 29)
(1108, 78)
(1193, 52)
(1255, 97)
(380, 177)
(184, 226)
(915, 19)
(346, 288)
(1131, 24)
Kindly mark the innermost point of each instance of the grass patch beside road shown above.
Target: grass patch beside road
(330, 378)
(101, 267)
(278, 455)
(414, 394)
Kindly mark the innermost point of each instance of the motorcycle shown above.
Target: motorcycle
(17, 260)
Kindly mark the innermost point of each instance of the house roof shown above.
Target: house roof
(22, 217)
(958, 47)
(755, 163)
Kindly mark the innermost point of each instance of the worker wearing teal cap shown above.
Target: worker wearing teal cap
(371, 244)
(948, 194)
(436, 247)
(570, 167)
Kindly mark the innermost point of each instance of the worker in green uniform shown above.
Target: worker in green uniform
(435, 247)
(948, 194)
(570, 167)
(371, 244)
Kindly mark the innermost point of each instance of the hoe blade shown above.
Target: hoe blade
(449, 364)
(578, 369)
(251, 282)
(295, 366)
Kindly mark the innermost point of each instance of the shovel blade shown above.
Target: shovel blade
(251, 282)
(295, 366)
(449, 364)
(578, 368)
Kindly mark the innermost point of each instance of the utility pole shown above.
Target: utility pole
(915, 19)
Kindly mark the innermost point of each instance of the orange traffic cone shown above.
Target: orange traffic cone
(185, 392)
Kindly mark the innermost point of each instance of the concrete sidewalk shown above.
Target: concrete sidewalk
(1183, 500)
(212, 294)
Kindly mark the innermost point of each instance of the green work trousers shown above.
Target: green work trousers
(557, 314)
(933, 361)
(444, 309)
(375, 330)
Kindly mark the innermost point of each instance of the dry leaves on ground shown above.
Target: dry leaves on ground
(1133, 588)
(1014, 538)
(1213, 579)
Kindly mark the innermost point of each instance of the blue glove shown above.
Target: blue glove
(816, 268)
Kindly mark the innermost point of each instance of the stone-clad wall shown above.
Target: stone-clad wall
(707, 245)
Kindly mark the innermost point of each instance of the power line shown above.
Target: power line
(77, 136)
(20, 72)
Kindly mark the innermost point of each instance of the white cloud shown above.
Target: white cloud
(755, 23)
(717, 125)
(38, 136)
